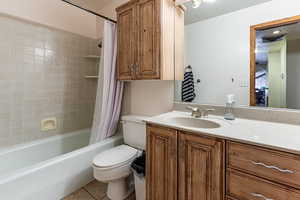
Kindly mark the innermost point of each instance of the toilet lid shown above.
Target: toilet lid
(115, 156)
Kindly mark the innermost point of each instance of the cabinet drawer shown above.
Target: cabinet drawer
(247, 187)
(273, 165)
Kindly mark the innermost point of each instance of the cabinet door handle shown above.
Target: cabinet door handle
(260, 196)
(287, 171)
(132, 68)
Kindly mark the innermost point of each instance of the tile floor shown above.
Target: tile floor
(92, 191)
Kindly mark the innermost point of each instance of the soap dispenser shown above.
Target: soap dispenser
(229, 107)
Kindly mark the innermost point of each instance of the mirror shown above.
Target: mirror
(275, 64)
(217, 55)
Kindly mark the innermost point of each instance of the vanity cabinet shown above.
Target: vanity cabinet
(195, 163)
(261, 173)
(146, 40)
(161, 169)
(191, 166)
(201, 168)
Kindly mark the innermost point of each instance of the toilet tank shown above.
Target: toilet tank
(134, 131)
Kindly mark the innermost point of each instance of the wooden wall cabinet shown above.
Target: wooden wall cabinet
(147, 40)
(195, 163)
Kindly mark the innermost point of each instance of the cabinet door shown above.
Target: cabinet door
(127, 48)
(201, 168)
(148, 18)
(161, 169)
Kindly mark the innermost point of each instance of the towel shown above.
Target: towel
(188, 88)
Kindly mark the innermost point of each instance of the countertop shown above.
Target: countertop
(277, 136)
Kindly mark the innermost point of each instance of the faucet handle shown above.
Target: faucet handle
(206, 112)
(194, 109)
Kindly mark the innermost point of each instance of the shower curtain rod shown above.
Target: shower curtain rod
(89, 11)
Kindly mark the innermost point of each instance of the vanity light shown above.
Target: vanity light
(196, 3)
(209, 1)
(276, 32)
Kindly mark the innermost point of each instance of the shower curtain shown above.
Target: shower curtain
(110, 91)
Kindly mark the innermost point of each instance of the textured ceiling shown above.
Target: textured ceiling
(219, 7)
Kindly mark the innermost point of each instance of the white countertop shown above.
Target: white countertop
(267, 134)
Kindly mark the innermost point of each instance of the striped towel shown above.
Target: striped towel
(188, 89)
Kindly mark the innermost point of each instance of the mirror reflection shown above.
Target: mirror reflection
(217, 56)
(277, 70)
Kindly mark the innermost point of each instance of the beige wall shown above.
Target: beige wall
(148, 97)
(109, 11)
(53, 13)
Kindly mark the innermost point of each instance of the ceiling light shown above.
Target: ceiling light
(276, 32)
(196, 3)
(209, 1)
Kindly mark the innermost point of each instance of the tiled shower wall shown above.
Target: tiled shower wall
(41, 76)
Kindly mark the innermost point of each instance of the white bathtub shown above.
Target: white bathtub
(49, 169)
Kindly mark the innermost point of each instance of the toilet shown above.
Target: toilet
(114, 165)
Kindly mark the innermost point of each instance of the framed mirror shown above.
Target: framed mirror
(245, 50)
(275, 64)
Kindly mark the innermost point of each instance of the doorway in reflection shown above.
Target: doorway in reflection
(277, 69)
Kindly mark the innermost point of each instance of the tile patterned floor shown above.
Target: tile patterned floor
(92, 191)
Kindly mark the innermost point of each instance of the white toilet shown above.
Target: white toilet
(113, 166)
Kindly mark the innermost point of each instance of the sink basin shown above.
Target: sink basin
(194, 123)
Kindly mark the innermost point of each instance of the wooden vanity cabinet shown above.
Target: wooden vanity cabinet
(201, 168)
(261, 173)
(146, 40)
(195, 163)
(189, 166)
(161, 169)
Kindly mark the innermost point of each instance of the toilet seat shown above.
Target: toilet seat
(115, 157)
(115, 163)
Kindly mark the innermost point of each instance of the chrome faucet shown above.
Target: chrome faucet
(199, 112)
(206, 112)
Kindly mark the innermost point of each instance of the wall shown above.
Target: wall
(148, 97)
(53, 13)
(42, 76)
(142, 97)
(293, 74)
(108, 10)
(222, 48)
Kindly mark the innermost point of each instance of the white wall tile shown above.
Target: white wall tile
(42, 75)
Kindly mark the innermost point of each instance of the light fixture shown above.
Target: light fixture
(276, 32)
(209, 1)
(196, 3)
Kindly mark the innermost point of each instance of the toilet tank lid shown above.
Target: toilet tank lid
(134, 118)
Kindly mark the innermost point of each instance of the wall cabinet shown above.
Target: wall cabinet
(190, 166)
(126, 41)
(146, 40)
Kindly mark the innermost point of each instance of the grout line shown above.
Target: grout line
(90, 193)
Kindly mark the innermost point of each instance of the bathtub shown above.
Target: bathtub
(49, 169)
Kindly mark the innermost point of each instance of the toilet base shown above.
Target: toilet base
(119, 189)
